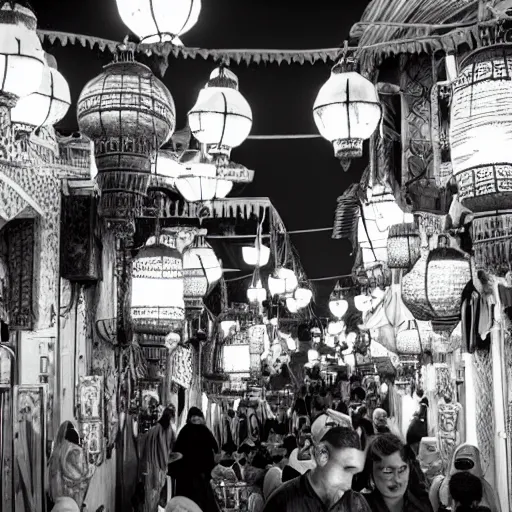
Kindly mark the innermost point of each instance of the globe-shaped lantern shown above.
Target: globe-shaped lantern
(198, 179)
(157, 305)
(166, 167)
(221, 117)
(157, 21)
(21, 55)
(284, 282)
(347, 111)
(129, 114)
(48, 105)
(201, 270)
(338, 307)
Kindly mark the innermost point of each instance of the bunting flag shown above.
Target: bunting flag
(165, 50)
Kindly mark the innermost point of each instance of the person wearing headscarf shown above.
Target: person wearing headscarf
(181, 504)
(465, 458)
(155, 456)
(380, 421)
(198, 446)
(466, 491)
(68, 468)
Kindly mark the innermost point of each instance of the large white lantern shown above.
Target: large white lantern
(166, 165)
(48, 105)
(347, 111)
(338, 307)
(22, 59)
(303, 297)
(284, 282)
(198, 179)
(201, 271)
(157, 21)
(157, 304)
(221, 117)
(257, 255)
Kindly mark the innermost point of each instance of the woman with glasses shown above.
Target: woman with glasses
(394, 480)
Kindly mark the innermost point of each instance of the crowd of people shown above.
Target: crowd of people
(339, 461)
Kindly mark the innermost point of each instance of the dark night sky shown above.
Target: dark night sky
(302, 178)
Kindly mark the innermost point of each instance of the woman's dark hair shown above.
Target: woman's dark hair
(466, 489)
(167, 416)
(382, 446)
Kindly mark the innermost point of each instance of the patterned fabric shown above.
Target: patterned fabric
(182, 371)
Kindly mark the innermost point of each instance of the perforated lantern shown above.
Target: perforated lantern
(48, 105)
(347, 111)
(22, 59)
(157, 21)
(408, 340)
(221, 117)
(481, 129)
(403, 246)
(157, 304)
(201, 271)
(129, 114)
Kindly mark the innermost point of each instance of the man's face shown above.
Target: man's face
(341, 466)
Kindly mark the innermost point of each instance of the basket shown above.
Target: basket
(232, 496)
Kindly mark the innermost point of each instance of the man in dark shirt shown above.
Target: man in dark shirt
(327, 487)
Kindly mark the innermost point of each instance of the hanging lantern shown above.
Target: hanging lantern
(347, 111)
(221, 117)
(159, 21)
(386, 211)
(303, 297)
(129, 114)
(448, 273)
(257, 255)
(403, 246)
(363, 303)
(157, 305)
(338, 307)
(199, 180)
(481, 129)
(285, 282)
(201, 271)
(256, 294)
(48, 105)
(22, 60)
(292, 305)
(236, 359)
(408, 340)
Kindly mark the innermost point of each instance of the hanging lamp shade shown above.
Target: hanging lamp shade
(481, 129)
(221, 117)
(201, 271)
(129, 114)
(48, 105)
(22, 59)
(166, 165)
(292, 305)
(157, 305)
(256, 294)
(347, 111)
(158, 21)
(338, 307)
(198, 179)
(303, 297)
(403, 246)
(257, 255)
(408, 340)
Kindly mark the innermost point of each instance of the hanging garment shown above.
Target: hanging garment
(472, 322)
(448, 430)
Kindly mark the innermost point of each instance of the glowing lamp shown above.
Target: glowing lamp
(338, 307)
(166, 165)
(236, 359)
(48, 105)
(158, 21)
(403, 246)
(256, 294)
(228, 327)
(22, 59)
(335, 328)
(291, 344)
(313, 357)
(303, 297)
(347, 111)
(289, 278)
(157, 305)
(292, 305)
(276, 286)
(221, 117)
(201, 271)
(198, 179)
(256, 256)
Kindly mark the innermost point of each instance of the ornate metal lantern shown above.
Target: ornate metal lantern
(221, 117)
(21, 54)
(347, 111)
(48, 105)
(129, 114)
(201, 271)
(157, 21)
(403, 246)
(157, 305)
(408, 340)
(481, 129)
